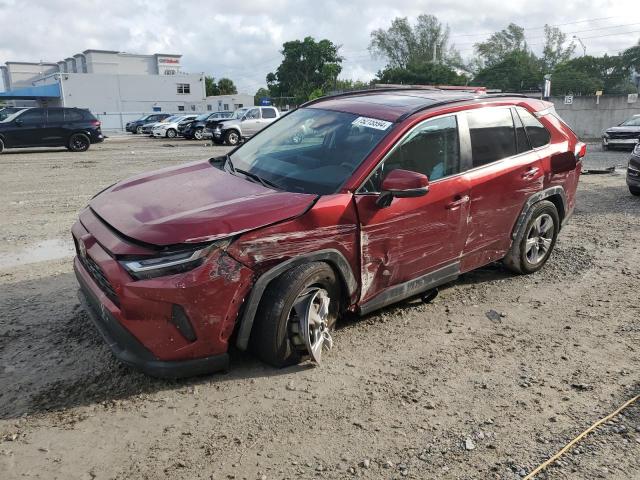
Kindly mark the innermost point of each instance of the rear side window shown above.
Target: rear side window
(268, 113)
(492, 135)
(73, 116)
(522, 142)
(538, 135)
(55, 115)
(32, 116)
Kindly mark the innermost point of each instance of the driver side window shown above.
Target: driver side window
(432, 148)
(253, 114)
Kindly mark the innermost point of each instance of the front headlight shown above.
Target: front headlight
(171, 263)
(636, 150)
(605, 135)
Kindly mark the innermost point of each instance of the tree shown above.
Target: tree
(554, 51)
(307, 65)
(585, 75)
(501, 44)
(260, 94)
(518, 70)
(347, 85)
(402, 45)
(422, 73)
(210, 86)
(227, 87)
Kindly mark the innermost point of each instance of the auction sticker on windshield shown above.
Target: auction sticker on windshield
(371, 123)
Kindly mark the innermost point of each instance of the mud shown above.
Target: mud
(413, 391)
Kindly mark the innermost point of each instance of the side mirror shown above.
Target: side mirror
(402, 184)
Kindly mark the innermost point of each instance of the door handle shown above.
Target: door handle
(530, 173)
(458, 201)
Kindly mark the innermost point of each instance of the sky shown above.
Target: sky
(242, 39)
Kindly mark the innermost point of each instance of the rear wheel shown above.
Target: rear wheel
(535, 240)
(198, 134)
(632, 190)
(299, 308)
(1, 146)
(232, 137)
(171, 133)
(79, 142)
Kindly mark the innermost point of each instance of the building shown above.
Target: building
(115, 86)
(225, 103)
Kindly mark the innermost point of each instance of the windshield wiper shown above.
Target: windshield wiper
(265, 183)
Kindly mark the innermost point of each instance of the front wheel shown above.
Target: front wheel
(139, 130)
(1, 146)
(171, 133)
(296, 315)
(633, 190)
(198, 134)
(232, 137)
(535, 240)
(79, 142)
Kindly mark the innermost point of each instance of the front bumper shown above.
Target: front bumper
(619, 142)
(137, 318)
(129, 351)
(159, 133)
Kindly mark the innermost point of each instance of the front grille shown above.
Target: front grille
(624, 135)
(97, 274)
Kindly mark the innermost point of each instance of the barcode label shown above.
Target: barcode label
(371, 123)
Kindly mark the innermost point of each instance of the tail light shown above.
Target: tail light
(581, 150)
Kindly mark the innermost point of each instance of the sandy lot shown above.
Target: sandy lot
(413, 391)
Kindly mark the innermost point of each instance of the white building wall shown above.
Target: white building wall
(221, 103)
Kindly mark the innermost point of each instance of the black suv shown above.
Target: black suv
(633, 171)
(136, 125)
(195, 128)
(74, 128)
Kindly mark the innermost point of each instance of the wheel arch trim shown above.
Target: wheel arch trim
(335, 258)
(535, 198)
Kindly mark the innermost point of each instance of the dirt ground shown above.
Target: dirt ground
(416, 390)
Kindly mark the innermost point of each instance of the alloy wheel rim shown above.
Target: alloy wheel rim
(539, 238)
(198, 134)
(310, 315)
(233, 138)
(79, 143)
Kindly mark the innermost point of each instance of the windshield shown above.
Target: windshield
(171, 119)
(310, 150)
(239, 113)
(202, 117)
(10, 115)
(632, 122)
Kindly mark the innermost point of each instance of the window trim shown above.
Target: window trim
(463, 146)
(534, 115)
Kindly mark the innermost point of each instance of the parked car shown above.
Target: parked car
(400, 191)
(169, 129)
(633, 171)
(136, 125)
(625, 135)
(6, 111)
(74, 128)
(213, 123)
(147, 128)
(195, 129)
(233, 131)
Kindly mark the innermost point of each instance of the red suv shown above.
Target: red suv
(347, 204)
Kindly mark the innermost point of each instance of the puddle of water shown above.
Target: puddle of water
(40, 252)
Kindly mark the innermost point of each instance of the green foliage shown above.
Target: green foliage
(224, 86)
(518, 70)
(260, 94)
(501, 44)
(227, 87)
(307, 66)
(346, 85)
(210, 86)
(403, 45)
(554, 51)
(422, 73)
(585, 75)
(317, 93)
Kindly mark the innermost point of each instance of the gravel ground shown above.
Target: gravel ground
(416, 390)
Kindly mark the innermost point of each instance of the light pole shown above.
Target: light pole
(584, 47)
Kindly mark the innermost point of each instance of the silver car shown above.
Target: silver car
(245, 123)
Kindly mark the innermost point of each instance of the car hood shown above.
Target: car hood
(229, 123)
(623, 129)
(193, 203)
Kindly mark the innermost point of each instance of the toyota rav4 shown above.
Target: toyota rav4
(389, 194)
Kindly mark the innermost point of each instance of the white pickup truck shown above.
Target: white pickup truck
(232, 131)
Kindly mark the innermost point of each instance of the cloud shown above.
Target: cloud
(241, 40)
